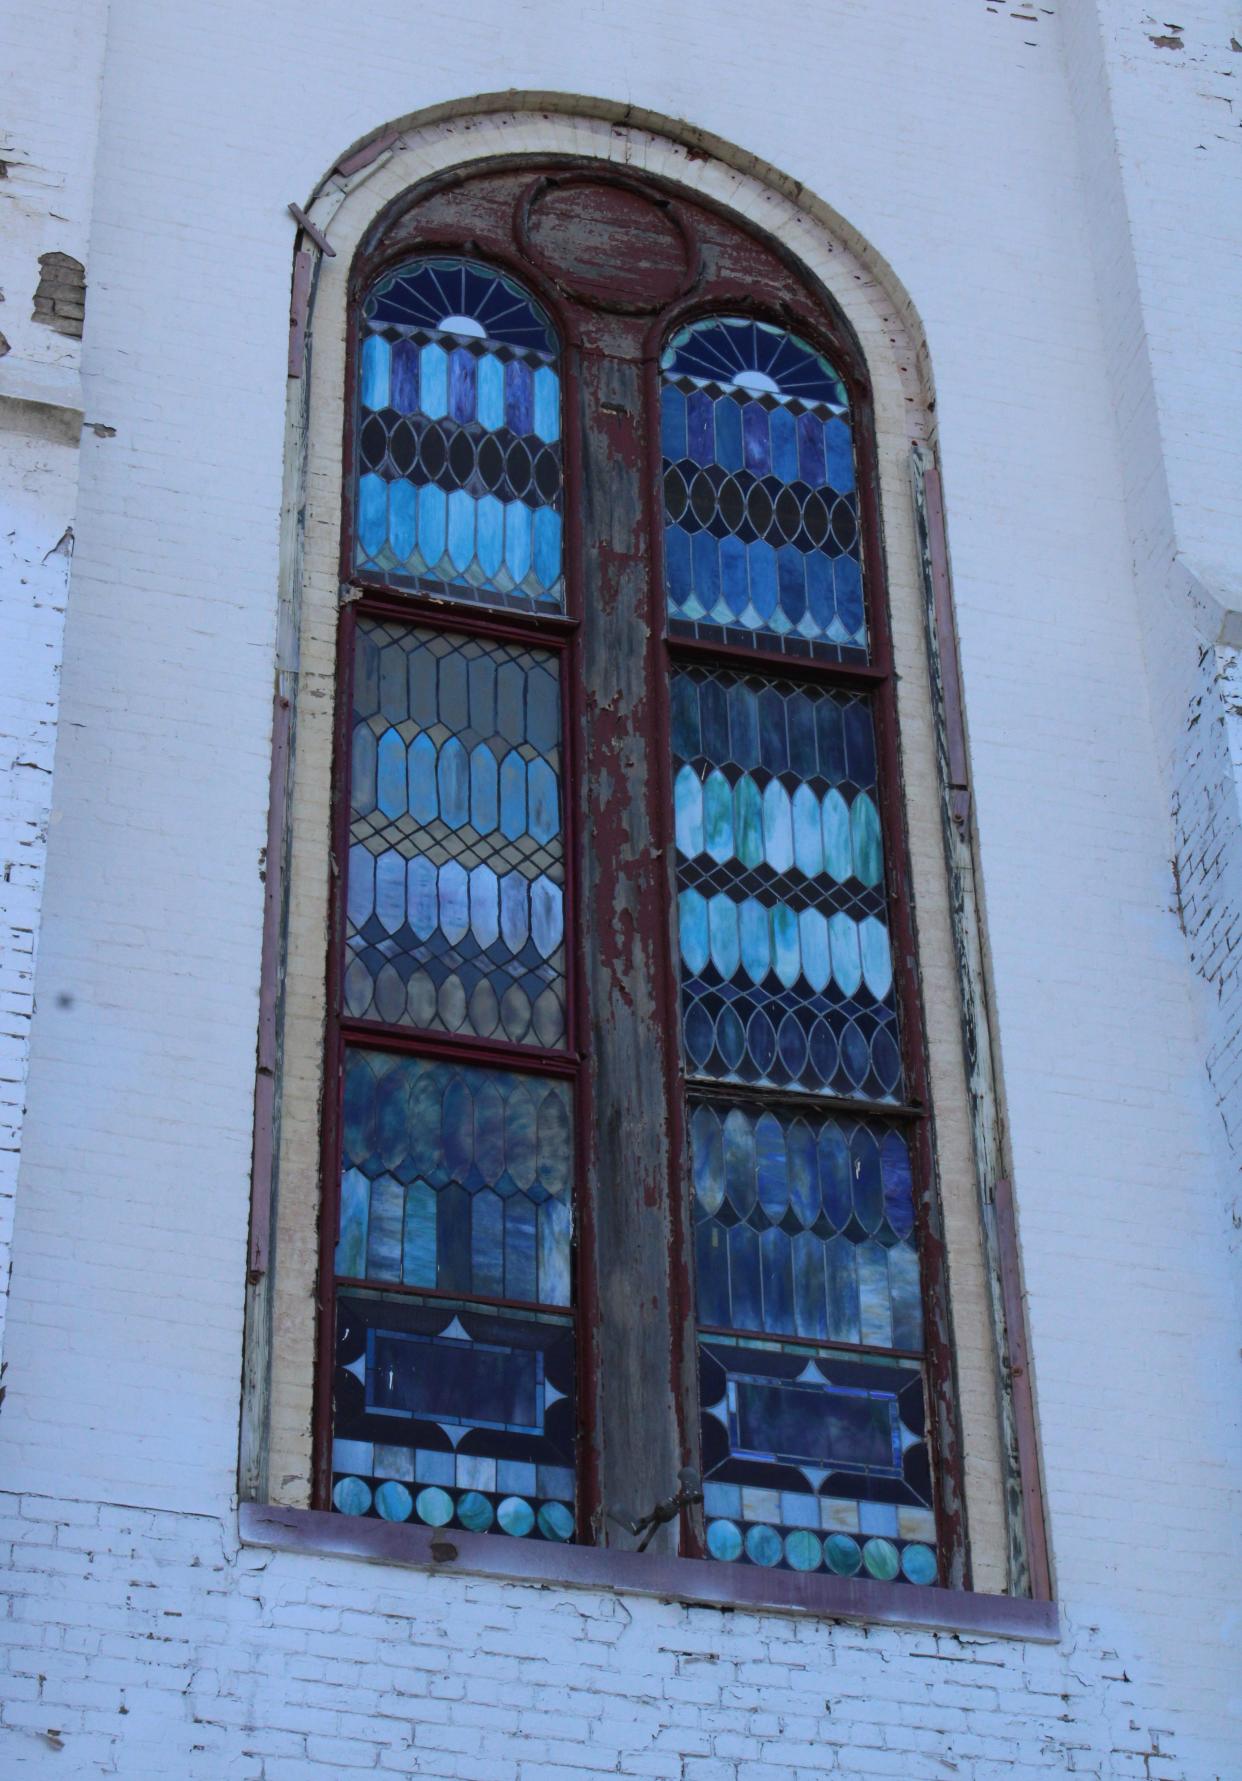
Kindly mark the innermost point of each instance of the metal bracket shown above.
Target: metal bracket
(690, 1492)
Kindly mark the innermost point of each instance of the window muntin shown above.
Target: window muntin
(458, 437)
(761, 539)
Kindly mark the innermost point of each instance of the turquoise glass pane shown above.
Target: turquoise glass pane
(372, 513)
(759, 492)
(455, 876)
(402, 517)
(375, 372)
(458, 436)
(787, 977)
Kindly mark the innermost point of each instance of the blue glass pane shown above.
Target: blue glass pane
(458, 453)
(452, 1415)
(787, 977)
(815, 1192)
(457, 1178)
(454, 888)
(762, 535)
(815, 1459)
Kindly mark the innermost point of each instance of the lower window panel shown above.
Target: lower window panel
(815, 1460)
(448, 1413)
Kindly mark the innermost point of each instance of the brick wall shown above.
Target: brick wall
(47, 158)
(143, 1644)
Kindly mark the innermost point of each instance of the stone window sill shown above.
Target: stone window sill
(692, 1580)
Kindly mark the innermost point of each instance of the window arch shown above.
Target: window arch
(712, 1051)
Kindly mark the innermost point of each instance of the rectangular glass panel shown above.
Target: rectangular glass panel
(804, 1226)
(814, 1460)
(786, 964)
(456, 1178)
(454, 1415)
(455, 888)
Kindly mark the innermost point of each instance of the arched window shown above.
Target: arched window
(628, 1152)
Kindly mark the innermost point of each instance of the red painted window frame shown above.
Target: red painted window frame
(807, 309)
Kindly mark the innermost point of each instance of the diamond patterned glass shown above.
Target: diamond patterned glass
(786, 967)
(804, 1226)
(450, 1415)
(761, 541)
(455, 1178)
(455, 894)
(459, 437)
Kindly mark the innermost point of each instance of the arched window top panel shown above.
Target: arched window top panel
(762, 539)
(457, 437)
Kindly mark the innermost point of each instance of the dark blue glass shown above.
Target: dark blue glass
(699, 430)
(756, 439)
(678, 573)
(712, 1276)
(454, 1415)
(752, 430)
(729, 449)
(519, 397)
(673, 426)
(776, 1262)
(451, 1168)
(859, 743)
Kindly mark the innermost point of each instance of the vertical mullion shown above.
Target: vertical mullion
(627, 1139)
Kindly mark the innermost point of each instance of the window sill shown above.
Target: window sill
(692, 1580)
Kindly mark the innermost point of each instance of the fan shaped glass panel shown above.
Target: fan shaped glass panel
(458, 469)
(761, 541)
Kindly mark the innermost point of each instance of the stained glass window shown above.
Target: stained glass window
(761, 538)
(501, 741)
(456, 919)
(787, 976)
(453, 1397)
(458, 437)
(808, 1291)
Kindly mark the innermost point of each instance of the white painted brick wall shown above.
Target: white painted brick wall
(145, 1644)
(966, 145)
(47, 148)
